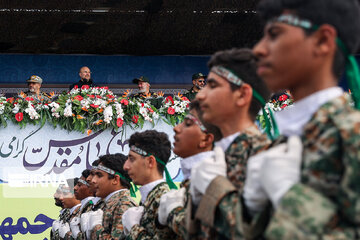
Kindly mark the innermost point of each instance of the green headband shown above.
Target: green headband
(351, 67)
(133, 188)
(271, 127)
(141, 152)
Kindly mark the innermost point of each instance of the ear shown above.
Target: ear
(207, 141)
(116, 180)
(325, 40)
(243, 95)
(193, 82)
(151, 161)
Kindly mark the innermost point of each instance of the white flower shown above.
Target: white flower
(68, 111)
(108, 113)
(55, 114)
(16, 108)
(155, 115)
(74, 91)
(32, 112)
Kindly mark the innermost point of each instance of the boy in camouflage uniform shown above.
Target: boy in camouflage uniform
(98, 203)
(64, 212)
(193, 142)
(84, 194)
(231, 100)
(69, 201)
(149, 153)
(112, 185)
(306, 188)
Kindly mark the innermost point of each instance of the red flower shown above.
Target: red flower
(91, 96)
(98, 96)
(119, 122)
(124, 101)
(150, 110)
(283, 97)
(185, 99)
(142, 104)
(110, 96)
(29, 99)
(171, 111)
(19, 116)
(94, 106)
(84, 87)
(283, 106)
(169, 98)
(75, 87)
(135, 118)
(105, 87)
(78, 97)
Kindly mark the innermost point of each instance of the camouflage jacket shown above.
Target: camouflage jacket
(324, 204)
(190, 94)
(153, 98)
(62, 217)
(87, 208)
(248, 143)
(149, 228)
(43, 96)
(176, 219)
(115, 206)
(69, 217)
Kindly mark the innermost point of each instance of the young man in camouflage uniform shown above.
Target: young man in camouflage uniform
(307, 188)
(112, 185)
(64, 212)
(149, 152)
(84, 194)
(231, 100)
(98, 203)
(194, 141)
(69, 201)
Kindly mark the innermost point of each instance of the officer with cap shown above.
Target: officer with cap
(144, 91)
(34, 85)
(198, 81)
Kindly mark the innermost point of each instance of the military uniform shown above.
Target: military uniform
(248, 143)
(43, 96)
(64, 214)
(323, 205)
(153, 98)
(190, 94)
(115, 206)
(149, 228)
(69, 217)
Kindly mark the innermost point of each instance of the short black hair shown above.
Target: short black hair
(116, 162)
(154, 143)
(85, 173)
(344, 16)
(242, 62)
(210, 128)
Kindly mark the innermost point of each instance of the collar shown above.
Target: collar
(188, 163)
(73, 208)
(96, 200)
(291, 121)
(111, 194)
(145, 189)
(62, 210)
(85, 201)
(224, 143)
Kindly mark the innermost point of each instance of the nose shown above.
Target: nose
(126, 166)
(177, 128)
(259, 49)
(201, 94)
(94, 179)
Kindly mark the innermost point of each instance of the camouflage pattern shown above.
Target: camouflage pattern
(62, 217)
(115, 206)
(153, 98)
(149, 228)
(248, 143)
(190, 94)
(43, 96)
(176, 219)
(68, 219)
(99, 205)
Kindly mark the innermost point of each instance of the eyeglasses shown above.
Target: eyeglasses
(196, 121)
(201, 81)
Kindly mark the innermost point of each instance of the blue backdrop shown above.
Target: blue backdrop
(63, 69)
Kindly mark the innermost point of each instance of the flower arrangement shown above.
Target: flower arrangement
(174, 109)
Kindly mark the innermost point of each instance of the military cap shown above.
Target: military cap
(34, 79)
(198, 75)
(142, 78)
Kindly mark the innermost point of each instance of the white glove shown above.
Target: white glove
(96, 218)
(170, 201)
(55, 225)
(204, 172)
(281, 170)
(64, 228)
(131, 217)
(84, 223)
(75, 226)
(254, 195)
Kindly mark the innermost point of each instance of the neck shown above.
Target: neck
(234, 125)
(153, 178)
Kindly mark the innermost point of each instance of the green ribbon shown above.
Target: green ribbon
(133, 187)
(271, 127)
(352, 73)
(169, 180)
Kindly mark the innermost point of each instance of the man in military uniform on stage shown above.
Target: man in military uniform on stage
(198, 81)
(34, 85)
(144, 92)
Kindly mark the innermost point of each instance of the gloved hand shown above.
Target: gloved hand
(204, 172)
(95, 218)
(64, 228)
(84, 223)
(55, 225)
(281, 170)
(170, 201)
(75, 226)
(254, 195)
(131, 217)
